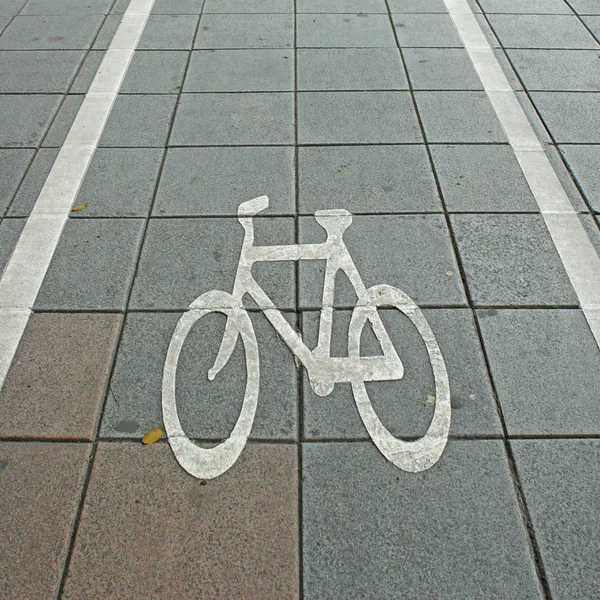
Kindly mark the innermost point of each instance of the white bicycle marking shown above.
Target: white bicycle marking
(324, 371)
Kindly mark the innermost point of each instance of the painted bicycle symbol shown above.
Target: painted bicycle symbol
(324, 371)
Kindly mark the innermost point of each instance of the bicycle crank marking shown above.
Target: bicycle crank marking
(324, 371)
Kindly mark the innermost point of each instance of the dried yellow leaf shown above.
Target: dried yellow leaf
(152, 436)
(79, 207)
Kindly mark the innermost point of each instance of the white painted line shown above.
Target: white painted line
(574, 247)
(29, 262)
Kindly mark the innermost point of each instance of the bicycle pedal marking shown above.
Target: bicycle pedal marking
(324, 371)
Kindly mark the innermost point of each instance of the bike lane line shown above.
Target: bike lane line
(574, 247)
(27, 267)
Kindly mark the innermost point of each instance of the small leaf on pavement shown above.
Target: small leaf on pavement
(152, 436)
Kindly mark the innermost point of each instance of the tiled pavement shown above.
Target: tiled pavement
(366, 105)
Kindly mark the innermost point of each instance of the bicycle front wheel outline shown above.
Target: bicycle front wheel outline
(422, 453)
(208, 463)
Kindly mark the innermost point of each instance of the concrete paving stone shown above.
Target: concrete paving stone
(571, 117)
(214, 181)
(11, 8)
(482, 179)
(344, 31)
(510, 259)
(13, 166)
(245, 31)
(107, 32)
(441, 69)
(59, 130)
(119, 182)
(426, 30)
(240, 71)
(558, 70)
(351, 69)
(560, 479)
(542, 31)
(207, 409)
(177, 7)
(370, 530)
(417, 6)
(459, 117)
(72, 32)
(31, 186)
(55, 387)
(412, 253)
(155, 73)
(243, 6)
(67, 7)
(4, 22)
(357, 118)
(120, 6)
(184, 258)
(87, 72)
(93, 265)
(10, 230)
(47, 71)
(24, 119)
(139, 121)
(42, 484)
(593, 22)
(537, 7)
(404, 406)
(544, 364)
(341, 6)
(583, 162)
(169, 32)
(367, 179)
(234, 119)
(147, 525)
(585, 7)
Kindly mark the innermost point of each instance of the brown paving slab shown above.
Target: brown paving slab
(40, 488)
(55, 386)
(149, 530)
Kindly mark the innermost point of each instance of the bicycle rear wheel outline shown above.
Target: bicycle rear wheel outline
(208, 463)
(424, 452)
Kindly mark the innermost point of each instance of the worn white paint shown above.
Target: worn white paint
(31, 257)
(324, 371)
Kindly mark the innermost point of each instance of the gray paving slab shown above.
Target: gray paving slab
(350, 69)
(571, 117)
(558, 70)
(24, 119)
(510, 259)
(410, 252)
(72, 32)
(459, 117)
(542, 31)
(585, 7)
(367, 179)
(341, 6)
(245, 31)
(372, 531)
(87, 72)
(242, 6)
(583, 162)
(544, 364)
(539, 7)
(214, 181)
(107, 31)
(67, 7)
(481, 178)
(593, 22)
(417, 6)
(178, 7)
(560, 480)
(155, 73)
(11, 8)
(344, 31)
(120, 6)
(269, 70)
(441, 69)
(405, 406)
(208, 410)
(234, 119)
(426, 30)
(357, 118)
(169, 32)
(183, 258)
(63, 121)
(119, 182)
(47, 71)
(4, 22)
(13, 166)
(30, 188)
(93, 265)
(10, 230)
(139, 121)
